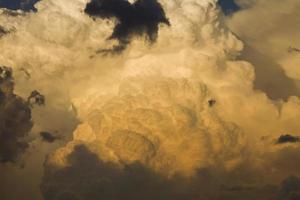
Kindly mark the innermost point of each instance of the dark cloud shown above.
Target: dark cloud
(212, 102)
(287, 139)
(88, 178)
(15, 119)
(49, 137)
(137, 19)
(36, 98)
(290, 189)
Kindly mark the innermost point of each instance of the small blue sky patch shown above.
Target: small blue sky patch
(25, 5)
(228, 6)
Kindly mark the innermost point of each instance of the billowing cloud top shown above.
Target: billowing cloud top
(184, 115)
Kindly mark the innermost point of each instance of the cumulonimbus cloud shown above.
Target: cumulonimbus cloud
(148, 112)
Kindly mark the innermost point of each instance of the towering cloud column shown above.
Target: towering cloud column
(176, 118)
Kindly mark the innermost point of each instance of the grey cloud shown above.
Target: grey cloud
(290, 189)
(86, 177)
(36, 98)
(89, 178)
(49, 137)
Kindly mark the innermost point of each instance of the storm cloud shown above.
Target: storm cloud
(290, 189)
(106, 180)
(86, 177)
(180, 116)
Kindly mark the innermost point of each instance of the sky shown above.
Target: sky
(149, 99)
(25, 5)
(228, 6)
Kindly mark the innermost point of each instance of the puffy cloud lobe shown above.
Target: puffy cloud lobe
(139, 18)
(139, 146)
(158, 131)
(15, 119)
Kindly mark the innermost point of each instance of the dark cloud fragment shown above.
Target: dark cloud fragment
(15, 119)
(137, 19)
(49, 137)
(212, 102)
(36, 98)
(287, 139)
